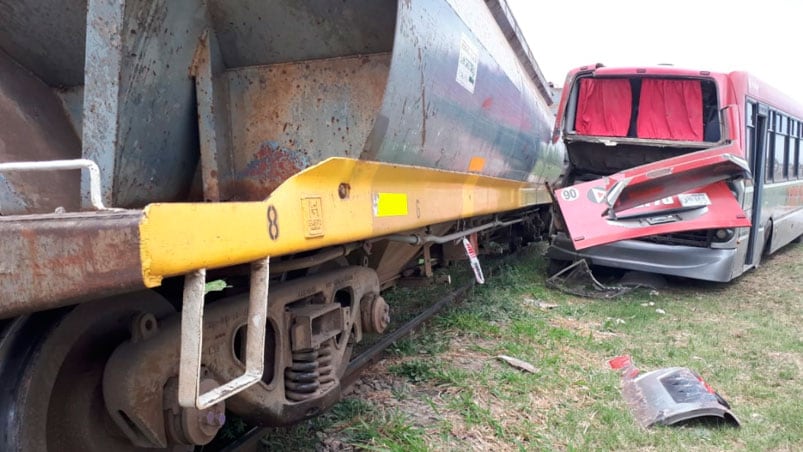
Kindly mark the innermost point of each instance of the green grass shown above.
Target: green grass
(743, 337)
(358, 423)
(392, 431)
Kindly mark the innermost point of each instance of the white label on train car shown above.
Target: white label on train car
(467, 64)
(694, 199)
(475, 262)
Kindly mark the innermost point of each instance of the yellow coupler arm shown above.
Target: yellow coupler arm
(337, 201)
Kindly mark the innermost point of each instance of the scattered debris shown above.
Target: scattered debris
(660, 311)
(670, 396)
(539, 303)
(614, 321)
(610, 323)
(577, 279)
(518, 364)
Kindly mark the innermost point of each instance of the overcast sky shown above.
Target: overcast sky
(760, 36)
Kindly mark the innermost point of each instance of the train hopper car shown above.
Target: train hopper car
(301, 154)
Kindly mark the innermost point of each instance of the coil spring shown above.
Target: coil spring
(326, 370)
(301, 379)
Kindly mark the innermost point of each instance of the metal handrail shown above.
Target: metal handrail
(57, 165)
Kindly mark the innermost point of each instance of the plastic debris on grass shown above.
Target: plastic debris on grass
(670, 396)
(518, 364)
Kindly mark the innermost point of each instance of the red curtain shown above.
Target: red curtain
(670, 110)
(604, 107)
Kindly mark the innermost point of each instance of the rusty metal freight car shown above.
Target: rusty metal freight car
(304, 152)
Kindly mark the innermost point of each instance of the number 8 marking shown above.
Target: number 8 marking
(273, 223)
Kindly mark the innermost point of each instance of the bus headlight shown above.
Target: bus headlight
(723, 235)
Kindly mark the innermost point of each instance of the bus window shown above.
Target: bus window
(749, 137)
(799, 155)
(794, 149)
(659, 97)
(780, 150)
(769, 171)
(750, 131)
(604, 107)
(749, 113)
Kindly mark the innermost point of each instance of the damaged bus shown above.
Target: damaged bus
(673, 171)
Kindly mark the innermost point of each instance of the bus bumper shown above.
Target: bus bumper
(687, 261)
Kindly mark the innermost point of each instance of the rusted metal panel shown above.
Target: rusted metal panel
(211, 93)
(320, 95)
(34, 126)
(287, 117)
(139, 115)
(59, 259)
(450, 94)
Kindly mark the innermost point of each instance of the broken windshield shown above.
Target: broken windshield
(649, 108)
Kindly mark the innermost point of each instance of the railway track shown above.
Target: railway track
(248, 441)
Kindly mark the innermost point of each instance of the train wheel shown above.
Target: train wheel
(51, 369)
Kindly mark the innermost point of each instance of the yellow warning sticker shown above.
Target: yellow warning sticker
(390, 204)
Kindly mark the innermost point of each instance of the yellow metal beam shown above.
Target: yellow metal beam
(337, 201)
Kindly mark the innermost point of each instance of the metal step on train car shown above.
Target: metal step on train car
(305, 153)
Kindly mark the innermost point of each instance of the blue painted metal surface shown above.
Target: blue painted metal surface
(259, 90)
(456, 90)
